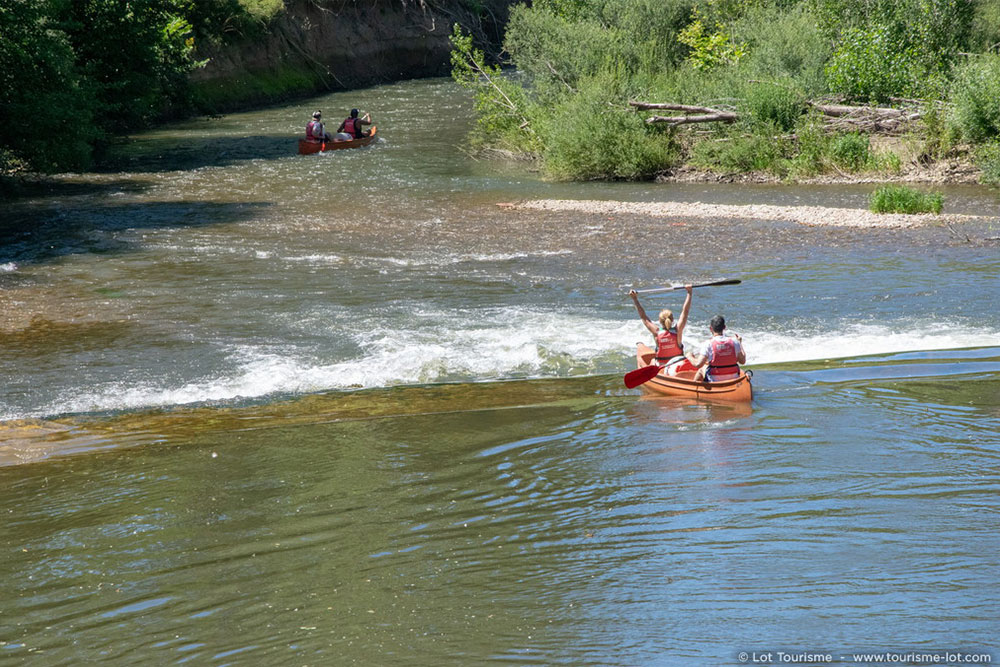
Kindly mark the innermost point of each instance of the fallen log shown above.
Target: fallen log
(717, 117)
(854, 118)
(707, 114)
(670, 106)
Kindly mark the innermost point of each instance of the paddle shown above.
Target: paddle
(642, 375)
(659, 290)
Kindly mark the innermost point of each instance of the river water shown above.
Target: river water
(344, 409)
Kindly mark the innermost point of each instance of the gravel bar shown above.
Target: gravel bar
(805, 215)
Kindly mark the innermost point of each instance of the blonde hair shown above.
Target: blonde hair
(666, 319)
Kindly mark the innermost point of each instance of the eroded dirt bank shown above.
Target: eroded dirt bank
(319, 45)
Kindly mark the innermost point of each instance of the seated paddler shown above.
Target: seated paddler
(720, 358)
(315, 130)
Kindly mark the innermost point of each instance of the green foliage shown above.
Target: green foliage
(502, 106)
(987, 158)
(74, 72)
(593, 136)
(851, 151)
(893, 47)
(709, 49)
(975, 92)
(874, 63)
(785, 46)
(813, 144)
(741, 153)
(220, 21)
(774, 105)
(903, 199)
(940, 133)
(135, 55)
(45, 107)
(555, 54)
(984, 31)
(570, 10)
(276, 83)
(650, 30)
(761, 57)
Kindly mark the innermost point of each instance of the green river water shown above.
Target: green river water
(261, 408)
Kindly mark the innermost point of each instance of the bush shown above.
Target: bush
(593, 136)
(975, 92)
(774, 105)
(784, 46)
(874, 64)
(903, 199)
(740, 153)
(987, 158)
(556, 54)
(851, 151)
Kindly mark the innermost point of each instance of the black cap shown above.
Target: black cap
(354, 113)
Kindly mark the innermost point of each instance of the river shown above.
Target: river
(344, 409)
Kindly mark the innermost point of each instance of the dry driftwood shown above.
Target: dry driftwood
(708, 114)
(881, 120)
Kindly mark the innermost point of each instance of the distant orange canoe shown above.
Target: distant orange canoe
(307, 147)
(737, 390)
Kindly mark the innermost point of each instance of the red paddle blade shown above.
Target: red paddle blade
(640, 375)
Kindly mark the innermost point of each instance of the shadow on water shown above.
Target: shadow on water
(162, 154)
(44, 235)
(45, 187)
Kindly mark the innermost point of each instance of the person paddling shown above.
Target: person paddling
(352, 125)
(720, 358)
(315, 130)
(669, 344)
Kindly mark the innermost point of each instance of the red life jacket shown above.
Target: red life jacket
(724, 358)
(310, 127)
(666, 345)
(350, 127)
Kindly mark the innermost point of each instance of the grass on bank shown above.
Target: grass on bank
(904, 199)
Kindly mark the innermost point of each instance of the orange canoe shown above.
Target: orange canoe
(737, 390)
(307, 147)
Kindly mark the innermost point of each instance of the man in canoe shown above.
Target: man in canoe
(720, 358)
(315, 130)
(352, 125)
(669, 345)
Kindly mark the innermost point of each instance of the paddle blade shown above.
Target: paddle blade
(640, 375)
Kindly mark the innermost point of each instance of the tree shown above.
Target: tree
(46, 119)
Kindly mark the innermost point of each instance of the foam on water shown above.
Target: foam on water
(498, 344)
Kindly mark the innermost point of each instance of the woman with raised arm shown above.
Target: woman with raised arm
(669, 340)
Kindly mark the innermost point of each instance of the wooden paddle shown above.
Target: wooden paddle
(659, 290)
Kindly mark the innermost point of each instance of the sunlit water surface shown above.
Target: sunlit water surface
(344, 409)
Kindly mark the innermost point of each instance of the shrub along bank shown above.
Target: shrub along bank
(770, 71)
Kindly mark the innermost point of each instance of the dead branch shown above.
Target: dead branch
(719, 117)
(644, 106)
